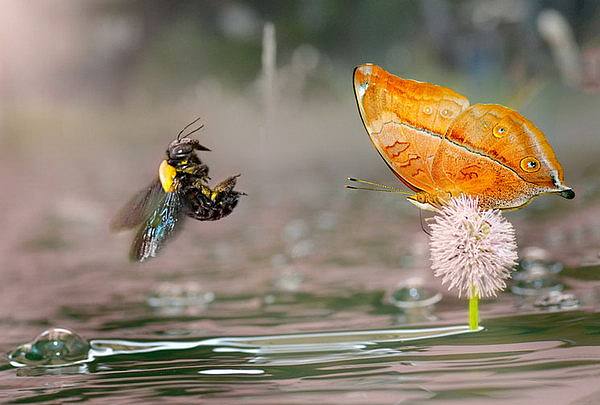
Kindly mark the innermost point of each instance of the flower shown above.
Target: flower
(472, 250)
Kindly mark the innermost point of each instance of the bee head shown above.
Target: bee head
(182, 149)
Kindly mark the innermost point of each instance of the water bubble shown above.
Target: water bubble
(537, 274)
(54, 347)
(414, 296)
(535, 281)
(556, 300)
(177, 298)
(302, 249)
(415, 301)
(289, 280)
(269, 299)
(295, 230)
(534, 256)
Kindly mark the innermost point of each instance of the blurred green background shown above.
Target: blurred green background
(92, 92)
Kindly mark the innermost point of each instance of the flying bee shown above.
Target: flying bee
(180, 190)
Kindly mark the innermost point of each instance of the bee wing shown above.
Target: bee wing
(139, 207)
(159, 226)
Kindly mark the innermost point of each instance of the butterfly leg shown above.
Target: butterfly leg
(423, 200)
(206, 204)
(428, 201)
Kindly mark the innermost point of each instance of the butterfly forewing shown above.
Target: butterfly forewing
(406, 121)
(158, 228)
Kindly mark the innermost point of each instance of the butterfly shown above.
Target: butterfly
(180, 190)
(441, 147)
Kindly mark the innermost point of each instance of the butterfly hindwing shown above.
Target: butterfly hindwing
(511, 140)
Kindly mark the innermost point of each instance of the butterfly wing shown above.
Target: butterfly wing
(159, 226)
(406, 121)
(499, 156)
(138, 208)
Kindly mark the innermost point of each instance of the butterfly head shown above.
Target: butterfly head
(539, 165)
(544, 171)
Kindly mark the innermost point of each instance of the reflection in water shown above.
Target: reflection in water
(228, 371)
(545, 353)
(535, 354)
(60, 347)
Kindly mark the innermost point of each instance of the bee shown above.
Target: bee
(180, 190)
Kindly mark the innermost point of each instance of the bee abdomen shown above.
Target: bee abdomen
(204, 208)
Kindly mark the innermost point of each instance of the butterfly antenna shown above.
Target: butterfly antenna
(374, 186)
(382, 190)
(187, 126)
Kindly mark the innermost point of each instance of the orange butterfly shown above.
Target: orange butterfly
(440, 147)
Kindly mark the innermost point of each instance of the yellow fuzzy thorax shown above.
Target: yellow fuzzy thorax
(166, 174)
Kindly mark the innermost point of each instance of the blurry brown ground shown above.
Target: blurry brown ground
(90, 96)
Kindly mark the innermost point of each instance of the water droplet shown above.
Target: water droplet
(295, 230)
(415, 301)
(556, 300)
(533, 256)
(289, 280)
(428, 110)
(412, 296)
(269, 299)
(538, 279)
(54, 347)
(177, 298)
(537, 274)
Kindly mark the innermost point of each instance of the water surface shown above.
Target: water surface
(349, 347)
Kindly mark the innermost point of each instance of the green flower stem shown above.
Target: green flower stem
(473, 309)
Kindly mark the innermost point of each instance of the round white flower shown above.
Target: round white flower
(472, 250)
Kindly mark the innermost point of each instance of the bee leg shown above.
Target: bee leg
(208, 204)
(199, 170)
(224, 187)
